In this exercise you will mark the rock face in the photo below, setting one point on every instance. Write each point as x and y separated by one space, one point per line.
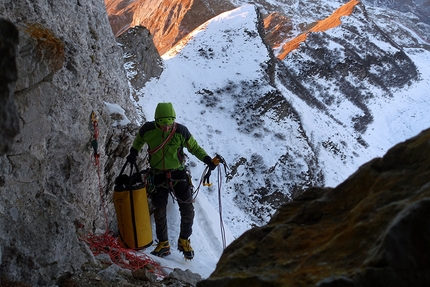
371 230
352 67
9 125
142 61
421 8
168 21
68 65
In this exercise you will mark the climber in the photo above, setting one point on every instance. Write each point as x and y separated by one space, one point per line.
165 141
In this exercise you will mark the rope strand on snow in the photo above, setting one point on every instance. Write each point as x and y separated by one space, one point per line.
206 182
224 244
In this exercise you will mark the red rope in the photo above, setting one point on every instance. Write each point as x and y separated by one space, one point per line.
126 258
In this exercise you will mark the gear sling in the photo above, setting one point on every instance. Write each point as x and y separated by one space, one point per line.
132 210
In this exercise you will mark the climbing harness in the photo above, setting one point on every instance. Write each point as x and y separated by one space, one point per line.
169 180
170 184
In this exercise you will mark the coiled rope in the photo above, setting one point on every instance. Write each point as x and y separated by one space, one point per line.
107 243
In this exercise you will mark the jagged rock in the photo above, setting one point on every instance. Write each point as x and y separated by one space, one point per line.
168 21
142 60
9 122
418 7
113 274
145 275
352 68
104 259
371 230
186 277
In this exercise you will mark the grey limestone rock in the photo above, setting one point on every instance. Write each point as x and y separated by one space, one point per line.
68 65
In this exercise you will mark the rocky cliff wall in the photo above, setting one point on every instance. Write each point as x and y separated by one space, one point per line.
69 65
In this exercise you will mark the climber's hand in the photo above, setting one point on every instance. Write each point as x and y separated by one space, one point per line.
210 162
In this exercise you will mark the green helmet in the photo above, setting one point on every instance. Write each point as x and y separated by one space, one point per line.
165 114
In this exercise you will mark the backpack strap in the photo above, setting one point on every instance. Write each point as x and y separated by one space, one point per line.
165 141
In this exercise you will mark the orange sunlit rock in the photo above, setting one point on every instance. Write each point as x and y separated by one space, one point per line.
323 25
277 27
168 21
291 45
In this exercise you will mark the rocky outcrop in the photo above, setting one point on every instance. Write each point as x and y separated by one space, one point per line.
142 61
9 121
168 21
359 66
371 230
68 65
420 8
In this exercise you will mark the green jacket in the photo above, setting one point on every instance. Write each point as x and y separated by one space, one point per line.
171 155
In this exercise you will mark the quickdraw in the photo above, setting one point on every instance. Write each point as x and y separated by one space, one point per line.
94 142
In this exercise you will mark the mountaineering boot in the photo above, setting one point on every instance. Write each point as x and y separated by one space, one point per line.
162 249
185 247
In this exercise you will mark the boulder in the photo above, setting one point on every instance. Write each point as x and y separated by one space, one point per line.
371 230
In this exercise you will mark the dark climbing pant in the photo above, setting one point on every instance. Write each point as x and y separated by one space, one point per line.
183 193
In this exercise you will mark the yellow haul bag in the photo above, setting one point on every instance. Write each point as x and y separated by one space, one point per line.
132 211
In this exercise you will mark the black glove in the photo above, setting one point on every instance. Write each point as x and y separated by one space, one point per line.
207 160
132 156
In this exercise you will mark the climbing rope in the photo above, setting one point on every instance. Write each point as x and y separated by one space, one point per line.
126 258
221 222
95 158
107 243
206 182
